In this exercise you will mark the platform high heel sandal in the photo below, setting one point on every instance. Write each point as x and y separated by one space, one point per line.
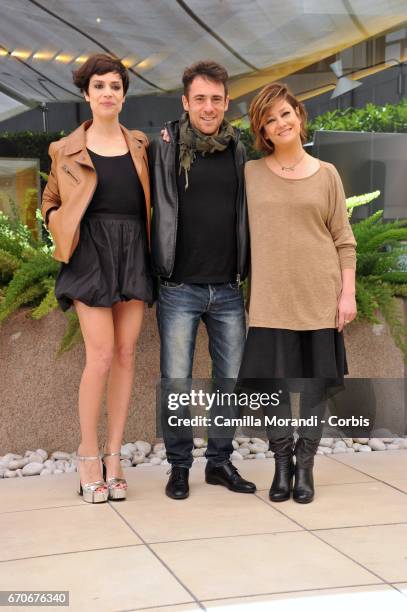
89 491
115 492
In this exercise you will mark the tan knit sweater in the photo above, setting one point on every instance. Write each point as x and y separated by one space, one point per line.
300 240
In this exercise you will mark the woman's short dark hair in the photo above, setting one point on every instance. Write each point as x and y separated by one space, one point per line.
207 69
260 109
99 63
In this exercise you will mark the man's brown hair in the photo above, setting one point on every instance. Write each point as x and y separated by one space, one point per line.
260 109
99 63
207 69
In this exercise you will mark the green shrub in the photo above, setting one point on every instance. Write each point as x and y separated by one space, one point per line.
27 275
371 118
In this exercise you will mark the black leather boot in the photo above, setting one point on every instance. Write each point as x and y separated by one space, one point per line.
305 450
284 469
227 475
177 485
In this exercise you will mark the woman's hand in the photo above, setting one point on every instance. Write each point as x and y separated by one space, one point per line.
346 309
165 135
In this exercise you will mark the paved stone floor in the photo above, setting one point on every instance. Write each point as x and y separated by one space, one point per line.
216 550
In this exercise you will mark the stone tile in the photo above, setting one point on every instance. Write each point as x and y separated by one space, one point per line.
347 505
253 565
148 482
106 580
398 484
202 516
180 608
373 597
382 549
32 492
61 530
384 465
261 471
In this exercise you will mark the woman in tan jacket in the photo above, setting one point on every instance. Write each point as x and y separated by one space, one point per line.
97 207
302 282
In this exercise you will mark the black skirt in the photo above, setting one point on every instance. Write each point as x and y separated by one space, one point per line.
284 353
109 265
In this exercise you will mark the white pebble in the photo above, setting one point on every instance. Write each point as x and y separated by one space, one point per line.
32 469
125 462
10 474
325 450
242 440
258 441
199 442
340 444
361 440
258 448
58 471
327 442
348 442
138 458
339 449
58 455
155 461
43 453
235 444
269 454
376 444
143 447
16 464
159 447
236 455
365 449
198 452
260 455
46 472
243 451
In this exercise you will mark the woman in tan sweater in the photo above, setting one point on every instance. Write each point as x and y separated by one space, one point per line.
302 280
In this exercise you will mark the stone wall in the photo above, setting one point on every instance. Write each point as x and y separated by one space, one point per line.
38 393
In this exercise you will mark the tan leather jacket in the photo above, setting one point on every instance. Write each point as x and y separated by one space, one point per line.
72 182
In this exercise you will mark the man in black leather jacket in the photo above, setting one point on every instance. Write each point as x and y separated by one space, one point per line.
200 251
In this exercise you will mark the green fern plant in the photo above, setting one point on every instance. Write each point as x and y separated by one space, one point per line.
27 276
381 274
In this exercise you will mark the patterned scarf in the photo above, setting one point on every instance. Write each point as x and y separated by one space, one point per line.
192 141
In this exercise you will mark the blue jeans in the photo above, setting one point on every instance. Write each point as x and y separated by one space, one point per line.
180 308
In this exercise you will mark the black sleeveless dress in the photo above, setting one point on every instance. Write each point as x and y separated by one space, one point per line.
111 261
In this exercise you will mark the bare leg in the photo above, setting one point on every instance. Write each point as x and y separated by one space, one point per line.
127 318
98 334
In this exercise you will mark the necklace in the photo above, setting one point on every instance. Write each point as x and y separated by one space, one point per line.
290 168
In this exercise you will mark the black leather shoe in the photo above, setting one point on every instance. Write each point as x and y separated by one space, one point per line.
284 469
305 450
177 485
227 475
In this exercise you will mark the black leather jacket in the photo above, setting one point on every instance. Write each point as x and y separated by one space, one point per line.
164 202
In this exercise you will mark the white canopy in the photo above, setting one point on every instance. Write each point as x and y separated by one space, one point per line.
42 41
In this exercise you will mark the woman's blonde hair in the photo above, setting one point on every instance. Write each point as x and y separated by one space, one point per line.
260 108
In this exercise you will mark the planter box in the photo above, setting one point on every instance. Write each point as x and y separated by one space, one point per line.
39 392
